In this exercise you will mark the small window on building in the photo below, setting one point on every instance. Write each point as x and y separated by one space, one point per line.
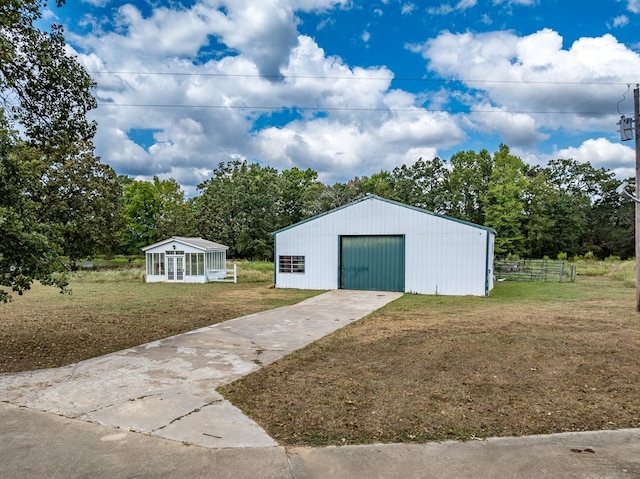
291 264
194 264
155 264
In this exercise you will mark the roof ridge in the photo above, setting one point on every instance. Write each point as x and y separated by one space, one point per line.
371 196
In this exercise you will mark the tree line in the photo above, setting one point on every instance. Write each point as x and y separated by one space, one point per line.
566 207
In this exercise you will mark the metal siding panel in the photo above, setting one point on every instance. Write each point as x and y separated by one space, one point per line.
317 250
446 262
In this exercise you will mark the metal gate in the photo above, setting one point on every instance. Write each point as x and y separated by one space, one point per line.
373 263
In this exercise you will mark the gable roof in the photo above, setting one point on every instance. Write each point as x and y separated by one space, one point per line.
396 203
198 243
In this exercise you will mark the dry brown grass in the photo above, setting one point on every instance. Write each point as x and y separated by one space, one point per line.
112 310
535 358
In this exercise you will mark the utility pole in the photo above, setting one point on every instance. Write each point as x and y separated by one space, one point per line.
636 121
630 128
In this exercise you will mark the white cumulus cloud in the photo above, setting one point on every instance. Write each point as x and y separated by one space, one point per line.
572 89
602 153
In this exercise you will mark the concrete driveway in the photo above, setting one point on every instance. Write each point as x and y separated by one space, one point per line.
167 388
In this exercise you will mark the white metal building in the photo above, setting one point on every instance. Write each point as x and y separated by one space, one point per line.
185 260
379 244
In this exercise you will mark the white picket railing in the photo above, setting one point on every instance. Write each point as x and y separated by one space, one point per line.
223 275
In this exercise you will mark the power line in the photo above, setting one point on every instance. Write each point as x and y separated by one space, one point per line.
338 109
354 78
350 78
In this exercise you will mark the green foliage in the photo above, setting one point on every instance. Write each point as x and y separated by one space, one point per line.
338 194
81 197
586 212
299 192
153 211
566 207
175 213
55 196
504 202
538 226
423 184
238 207
44 90
28 251
468 185
380 184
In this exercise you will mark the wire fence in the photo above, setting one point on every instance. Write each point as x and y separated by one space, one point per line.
534 270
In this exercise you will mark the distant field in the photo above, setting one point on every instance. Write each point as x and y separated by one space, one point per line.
534 358
114 309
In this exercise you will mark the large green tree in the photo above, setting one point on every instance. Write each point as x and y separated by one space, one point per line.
239 207
26 248
422 184
339 194
505 202
539 225
45 95
300 191
578 188
80 197
467 185
141 211
176 213
152 211
614 220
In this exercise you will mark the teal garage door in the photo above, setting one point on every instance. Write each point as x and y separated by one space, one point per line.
373 263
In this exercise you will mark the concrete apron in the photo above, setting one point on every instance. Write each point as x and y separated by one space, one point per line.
167 388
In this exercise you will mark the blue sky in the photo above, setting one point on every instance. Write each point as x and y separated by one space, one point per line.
350 87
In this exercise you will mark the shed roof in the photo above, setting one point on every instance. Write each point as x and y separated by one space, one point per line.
199 243
396 203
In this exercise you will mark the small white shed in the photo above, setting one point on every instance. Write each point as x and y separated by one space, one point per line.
382 245
185 260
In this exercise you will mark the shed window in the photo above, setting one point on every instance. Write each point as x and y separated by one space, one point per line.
194 264
291 264
216 260
155 264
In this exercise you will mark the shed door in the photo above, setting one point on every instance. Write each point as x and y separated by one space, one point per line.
374 263
175 268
